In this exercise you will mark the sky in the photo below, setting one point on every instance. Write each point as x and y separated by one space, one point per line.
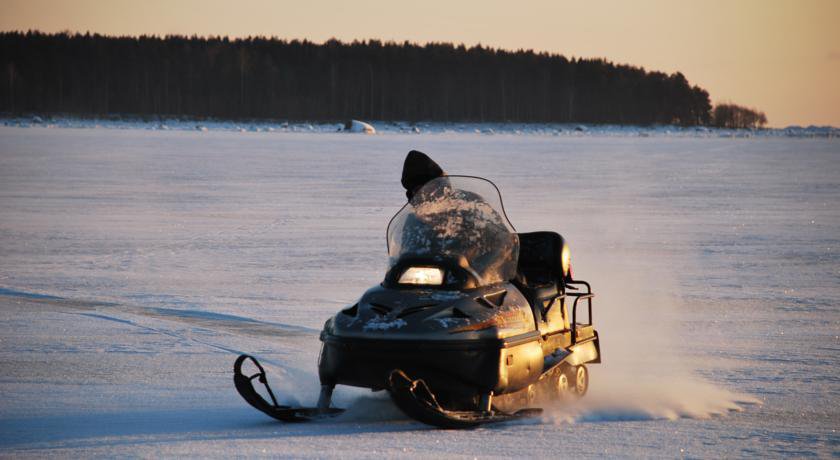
779 56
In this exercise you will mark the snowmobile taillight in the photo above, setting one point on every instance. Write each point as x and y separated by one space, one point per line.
422 275
566 260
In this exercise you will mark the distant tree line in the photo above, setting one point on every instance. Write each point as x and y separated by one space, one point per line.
737 117
300 80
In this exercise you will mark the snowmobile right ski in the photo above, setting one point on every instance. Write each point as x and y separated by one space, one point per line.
416 399
245 386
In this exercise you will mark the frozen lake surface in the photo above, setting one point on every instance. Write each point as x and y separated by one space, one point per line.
135 264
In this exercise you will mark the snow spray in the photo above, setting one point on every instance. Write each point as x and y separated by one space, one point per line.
647 370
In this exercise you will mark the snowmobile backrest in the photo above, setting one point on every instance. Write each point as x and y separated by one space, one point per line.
540 258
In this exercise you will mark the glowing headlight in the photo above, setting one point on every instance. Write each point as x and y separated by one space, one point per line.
565 257
422 275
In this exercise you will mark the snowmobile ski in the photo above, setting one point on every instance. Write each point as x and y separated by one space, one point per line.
245 386
416 399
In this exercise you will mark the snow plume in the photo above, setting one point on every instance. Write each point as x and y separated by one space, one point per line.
649 368
371 407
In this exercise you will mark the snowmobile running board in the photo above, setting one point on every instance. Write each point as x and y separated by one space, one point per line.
245 386
418 402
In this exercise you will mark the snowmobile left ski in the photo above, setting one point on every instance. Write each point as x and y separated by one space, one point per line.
245 386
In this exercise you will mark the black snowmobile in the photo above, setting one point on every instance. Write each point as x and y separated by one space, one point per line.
473 323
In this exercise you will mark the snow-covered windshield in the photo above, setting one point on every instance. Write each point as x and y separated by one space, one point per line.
459 219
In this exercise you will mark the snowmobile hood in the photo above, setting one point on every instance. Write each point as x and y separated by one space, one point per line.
490 312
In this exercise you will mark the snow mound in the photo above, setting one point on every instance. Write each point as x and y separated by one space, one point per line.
356 126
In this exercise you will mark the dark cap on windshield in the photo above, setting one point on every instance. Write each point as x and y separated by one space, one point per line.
417 170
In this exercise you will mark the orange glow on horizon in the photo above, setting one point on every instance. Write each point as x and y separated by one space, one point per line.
780 56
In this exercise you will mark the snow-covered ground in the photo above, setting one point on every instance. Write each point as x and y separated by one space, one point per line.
403 127
135 264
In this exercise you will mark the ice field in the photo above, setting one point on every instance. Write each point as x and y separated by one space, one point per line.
135 264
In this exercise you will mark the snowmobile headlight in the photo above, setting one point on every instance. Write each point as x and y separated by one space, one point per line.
565 259
422 275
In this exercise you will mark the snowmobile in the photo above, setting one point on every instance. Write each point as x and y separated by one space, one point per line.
473 323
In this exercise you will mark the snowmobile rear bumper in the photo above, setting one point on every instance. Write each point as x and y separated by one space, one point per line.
464 367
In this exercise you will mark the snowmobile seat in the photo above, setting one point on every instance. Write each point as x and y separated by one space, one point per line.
540 256
539 269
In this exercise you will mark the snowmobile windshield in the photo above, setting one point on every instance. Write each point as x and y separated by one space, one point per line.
459 220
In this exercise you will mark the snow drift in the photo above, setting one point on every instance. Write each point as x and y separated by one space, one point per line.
356 126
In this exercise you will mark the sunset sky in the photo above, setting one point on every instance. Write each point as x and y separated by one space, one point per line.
780 56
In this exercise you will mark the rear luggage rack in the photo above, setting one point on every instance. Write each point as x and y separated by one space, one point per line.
587 295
